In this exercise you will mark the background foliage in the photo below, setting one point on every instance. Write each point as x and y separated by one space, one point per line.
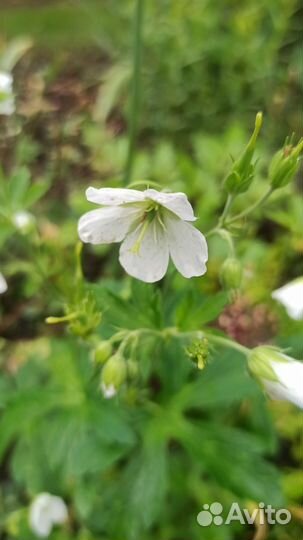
143 465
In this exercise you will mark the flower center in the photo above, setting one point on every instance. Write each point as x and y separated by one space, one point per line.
151 212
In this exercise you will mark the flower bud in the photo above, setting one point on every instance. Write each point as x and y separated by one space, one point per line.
113 375
102 352
132 369
231 274
242 172
284 165
280 375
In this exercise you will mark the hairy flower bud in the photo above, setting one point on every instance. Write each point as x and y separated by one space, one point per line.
102 352
280 375
113 375
231 274
285 164
242 173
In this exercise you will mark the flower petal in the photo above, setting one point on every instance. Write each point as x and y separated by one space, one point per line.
106 225
148 260
3 284
187 247
289 385
177 203
291 297
58 510
114 196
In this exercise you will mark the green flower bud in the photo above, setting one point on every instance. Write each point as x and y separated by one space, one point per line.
242 172
113 375
231 274
132 369
284 165
102 352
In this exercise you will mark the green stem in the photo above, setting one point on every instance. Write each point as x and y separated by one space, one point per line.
253 207
226 209
135 101
227 343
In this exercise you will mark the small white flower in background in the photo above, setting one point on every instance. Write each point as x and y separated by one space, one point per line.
291 297
46 511
152 227
3 284
23 220
7 101
280 375
108 391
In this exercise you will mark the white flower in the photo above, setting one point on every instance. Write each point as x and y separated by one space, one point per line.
108 391
291 297
152 227
7 101
280 375
23 220
46 511
3 284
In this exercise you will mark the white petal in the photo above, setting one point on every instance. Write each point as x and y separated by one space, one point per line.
108 391
187 247
3 284
58 510
106 225
113 196
6 82
177 203
291 297
149 262
39 517
289 387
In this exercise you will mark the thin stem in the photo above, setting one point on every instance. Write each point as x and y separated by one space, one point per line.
226 209
219 340
227 343
135 101
253 207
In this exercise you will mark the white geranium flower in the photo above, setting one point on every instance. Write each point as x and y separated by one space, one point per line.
280 375
7 101
3 284
152 227
291 297
108 390
46 511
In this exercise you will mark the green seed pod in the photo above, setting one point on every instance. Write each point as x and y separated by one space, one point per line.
231 274
102 352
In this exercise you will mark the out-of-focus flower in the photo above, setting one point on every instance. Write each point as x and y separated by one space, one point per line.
3 284
46 511
23 220
152 226
280 375
291 297
7 101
